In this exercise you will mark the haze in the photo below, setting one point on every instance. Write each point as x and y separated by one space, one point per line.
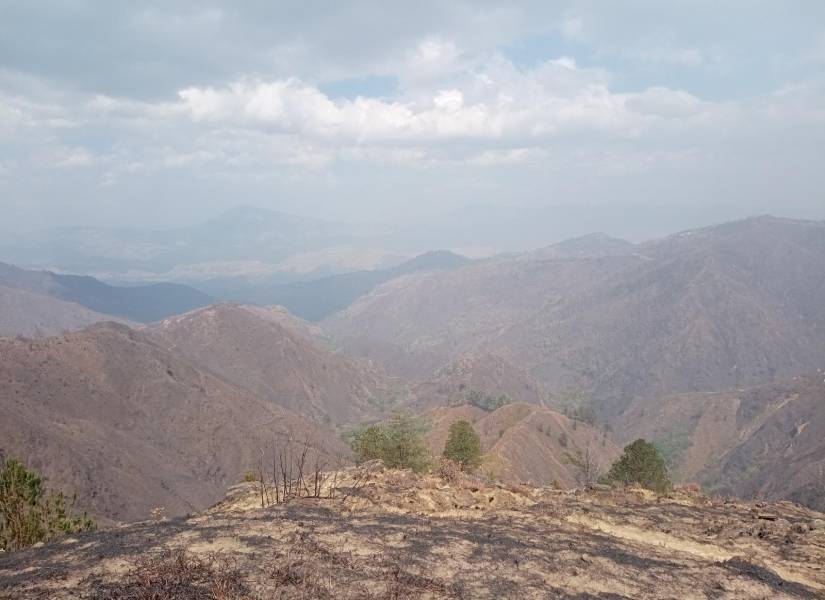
638 119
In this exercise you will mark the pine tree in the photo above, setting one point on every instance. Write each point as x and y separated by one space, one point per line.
463 445
29 513
369 443
398 442
640 463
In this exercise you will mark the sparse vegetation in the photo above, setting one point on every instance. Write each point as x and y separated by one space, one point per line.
640 463
463 445
298 469
449 470
588 468
486 401
178 575
399 443
585 414
30 513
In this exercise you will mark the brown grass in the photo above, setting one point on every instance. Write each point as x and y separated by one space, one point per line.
178 575
308 569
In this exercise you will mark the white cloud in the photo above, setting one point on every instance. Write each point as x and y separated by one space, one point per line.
69 158
510 156
463 109
498 103
572 27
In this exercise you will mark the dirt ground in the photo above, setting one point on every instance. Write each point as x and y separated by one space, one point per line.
398 535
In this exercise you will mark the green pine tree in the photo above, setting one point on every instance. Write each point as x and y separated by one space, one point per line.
369 443
463 445
29 513
640 463
399 443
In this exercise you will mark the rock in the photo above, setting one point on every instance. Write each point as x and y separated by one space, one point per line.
766 516
817 524
800 528
601 487
37 545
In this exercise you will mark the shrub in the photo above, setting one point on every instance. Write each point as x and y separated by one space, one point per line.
640 463
249 476
29 513
486 401
449 470
463 445
177 575
587 466
398 442
370 443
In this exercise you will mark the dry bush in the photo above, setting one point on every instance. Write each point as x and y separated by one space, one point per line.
449 470
690 488
177 575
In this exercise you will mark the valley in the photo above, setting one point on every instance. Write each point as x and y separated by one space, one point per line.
709 343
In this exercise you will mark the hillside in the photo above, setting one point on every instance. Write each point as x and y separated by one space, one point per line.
490 375
272 356
418 323
528 443
35 315
316 299
109 414
391 535
735 305
593 245
767 441
143 303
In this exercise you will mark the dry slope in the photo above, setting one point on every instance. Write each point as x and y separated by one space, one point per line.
767 441
528 443
401 536
129 426
735 305
265 352
478 372
35 315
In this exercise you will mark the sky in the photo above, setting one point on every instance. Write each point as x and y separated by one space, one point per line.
160 114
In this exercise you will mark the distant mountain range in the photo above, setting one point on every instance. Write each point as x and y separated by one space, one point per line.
143 303
706 310
319 298
709 342
244 240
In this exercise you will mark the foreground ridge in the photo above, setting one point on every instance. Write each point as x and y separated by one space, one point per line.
394 534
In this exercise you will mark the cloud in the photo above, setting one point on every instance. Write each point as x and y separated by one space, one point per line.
200 104
498 103
69 158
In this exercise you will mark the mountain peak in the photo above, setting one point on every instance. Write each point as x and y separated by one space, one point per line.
433 260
